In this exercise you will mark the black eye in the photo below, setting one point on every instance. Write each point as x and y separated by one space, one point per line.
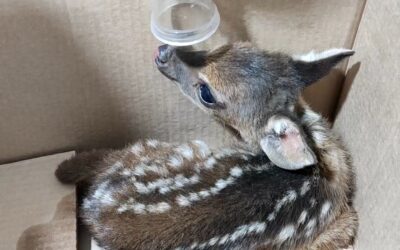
205 95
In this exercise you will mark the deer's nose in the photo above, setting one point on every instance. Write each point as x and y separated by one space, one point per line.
163 54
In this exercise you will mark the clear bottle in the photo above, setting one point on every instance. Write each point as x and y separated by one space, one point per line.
184 22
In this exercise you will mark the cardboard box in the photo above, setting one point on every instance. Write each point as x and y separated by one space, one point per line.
36 211
80 75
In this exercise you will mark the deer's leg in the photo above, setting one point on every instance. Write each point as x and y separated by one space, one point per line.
81 166
340 234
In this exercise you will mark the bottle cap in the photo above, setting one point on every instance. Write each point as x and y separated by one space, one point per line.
184 22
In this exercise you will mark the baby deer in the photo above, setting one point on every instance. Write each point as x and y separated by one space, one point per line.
288 184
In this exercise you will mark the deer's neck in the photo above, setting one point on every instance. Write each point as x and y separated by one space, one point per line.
333 160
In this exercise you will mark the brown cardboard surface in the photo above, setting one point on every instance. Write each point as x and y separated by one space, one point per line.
36 211
369 122
79 74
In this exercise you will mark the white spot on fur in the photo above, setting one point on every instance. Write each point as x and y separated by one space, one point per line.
311 116
240 232
290 196
305 188
202 148
225 152
224 239
194 197
139 170
194 179
302 217
152 143
259 169
313 56
204 193
122 208
236 172
210 162
257 227
137 148
127 172
87 203
116 167
310 227
165 185
214 190
325 209
160 183
194 245
286 233
175 161
183 201
319 137
180 181
103 194
244 157
161 170
185 151
213 241
271 216
219 185
164 190
160 207
140 208
202 245
244 230
313 202
107 199
141 188
144 159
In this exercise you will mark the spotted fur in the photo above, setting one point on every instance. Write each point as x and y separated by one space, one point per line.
156 195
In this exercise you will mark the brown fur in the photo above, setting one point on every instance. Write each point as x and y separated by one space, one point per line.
154 195
340 234
81 167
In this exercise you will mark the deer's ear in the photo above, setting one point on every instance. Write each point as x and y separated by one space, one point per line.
285 145
313 66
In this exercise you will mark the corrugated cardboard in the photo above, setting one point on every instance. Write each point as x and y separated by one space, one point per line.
369 122
36 211
80 74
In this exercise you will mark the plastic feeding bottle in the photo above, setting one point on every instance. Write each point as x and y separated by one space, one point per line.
184 22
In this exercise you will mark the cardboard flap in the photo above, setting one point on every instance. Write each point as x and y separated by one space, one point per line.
37 212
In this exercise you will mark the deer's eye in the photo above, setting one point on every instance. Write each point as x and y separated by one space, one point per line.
206 96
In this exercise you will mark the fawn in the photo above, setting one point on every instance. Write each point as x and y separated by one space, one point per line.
287 184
